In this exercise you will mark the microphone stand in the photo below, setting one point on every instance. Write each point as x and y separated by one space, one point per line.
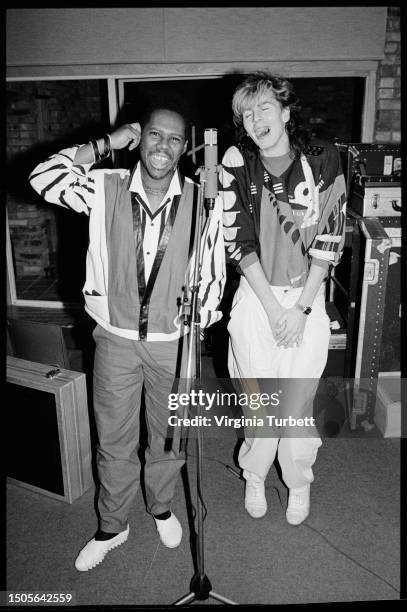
200 586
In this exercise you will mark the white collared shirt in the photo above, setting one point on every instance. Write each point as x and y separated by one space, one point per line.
152 224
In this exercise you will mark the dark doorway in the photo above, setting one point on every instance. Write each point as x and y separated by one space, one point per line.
331 107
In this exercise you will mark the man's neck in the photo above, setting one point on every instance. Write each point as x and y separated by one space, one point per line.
277 165
152 185
155 189
279 148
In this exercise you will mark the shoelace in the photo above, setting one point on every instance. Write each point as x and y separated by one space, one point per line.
255 489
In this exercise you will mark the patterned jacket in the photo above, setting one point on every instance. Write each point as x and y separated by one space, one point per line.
115 292
316 192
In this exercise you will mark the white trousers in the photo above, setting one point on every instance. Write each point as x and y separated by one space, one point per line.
254 354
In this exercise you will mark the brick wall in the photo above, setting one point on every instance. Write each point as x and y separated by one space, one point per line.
329 107
388 109
42 117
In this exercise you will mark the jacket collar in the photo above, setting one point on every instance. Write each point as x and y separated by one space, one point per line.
136 184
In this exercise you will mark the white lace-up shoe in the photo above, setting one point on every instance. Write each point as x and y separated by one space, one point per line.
170 531
298 505
255 498
95 551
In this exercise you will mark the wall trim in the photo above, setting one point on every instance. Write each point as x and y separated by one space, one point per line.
290 69
369 108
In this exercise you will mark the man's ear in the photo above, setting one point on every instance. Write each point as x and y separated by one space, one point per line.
136 127
185 147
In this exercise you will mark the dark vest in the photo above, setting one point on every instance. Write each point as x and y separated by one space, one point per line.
132 304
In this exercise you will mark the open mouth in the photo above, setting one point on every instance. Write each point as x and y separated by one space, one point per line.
262 132
159 161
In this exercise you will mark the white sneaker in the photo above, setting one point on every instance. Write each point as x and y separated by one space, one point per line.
298 505
255 498
95 551
170 531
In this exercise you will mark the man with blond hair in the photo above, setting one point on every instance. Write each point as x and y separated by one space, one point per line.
284 220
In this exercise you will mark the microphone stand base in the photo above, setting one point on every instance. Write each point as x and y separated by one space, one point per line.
201 590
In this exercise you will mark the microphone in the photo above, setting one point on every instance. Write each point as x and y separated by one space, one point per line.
211 166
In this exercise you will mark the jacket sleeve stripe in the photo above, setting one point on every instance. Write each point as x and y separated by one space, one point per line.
52 168
53 183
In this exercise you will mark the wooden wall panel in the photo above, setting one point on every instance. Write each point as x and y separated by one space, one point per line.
232 34
84 36
75 42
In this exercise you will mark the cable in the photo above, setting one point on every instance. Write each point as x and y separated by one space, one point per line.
352 559
341 551
233 471
228 467
151 564
200 495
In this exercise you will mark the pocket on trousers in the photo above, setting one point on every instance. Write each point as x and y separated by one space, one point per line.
98 305
236 304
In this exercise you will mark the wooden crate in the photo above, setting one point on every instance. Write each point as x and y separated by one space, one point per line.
49 449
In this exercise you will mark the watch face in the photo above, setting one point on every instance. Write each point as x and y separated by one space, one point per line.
307 310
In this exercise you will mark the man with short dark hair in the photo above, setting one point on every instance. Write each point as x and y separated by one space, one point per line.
284 224
140 257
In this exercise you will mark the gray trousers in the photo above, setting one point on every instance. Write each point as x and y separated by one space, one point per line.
122 367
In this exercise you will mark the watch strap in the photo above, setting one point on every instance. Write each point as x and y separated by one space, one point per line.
304 309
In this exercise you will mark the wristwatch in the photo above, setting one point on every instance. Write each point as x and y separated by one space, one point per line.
304 309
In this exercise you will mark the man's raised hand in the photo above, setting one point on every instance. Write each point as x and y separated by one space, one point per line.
127 135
